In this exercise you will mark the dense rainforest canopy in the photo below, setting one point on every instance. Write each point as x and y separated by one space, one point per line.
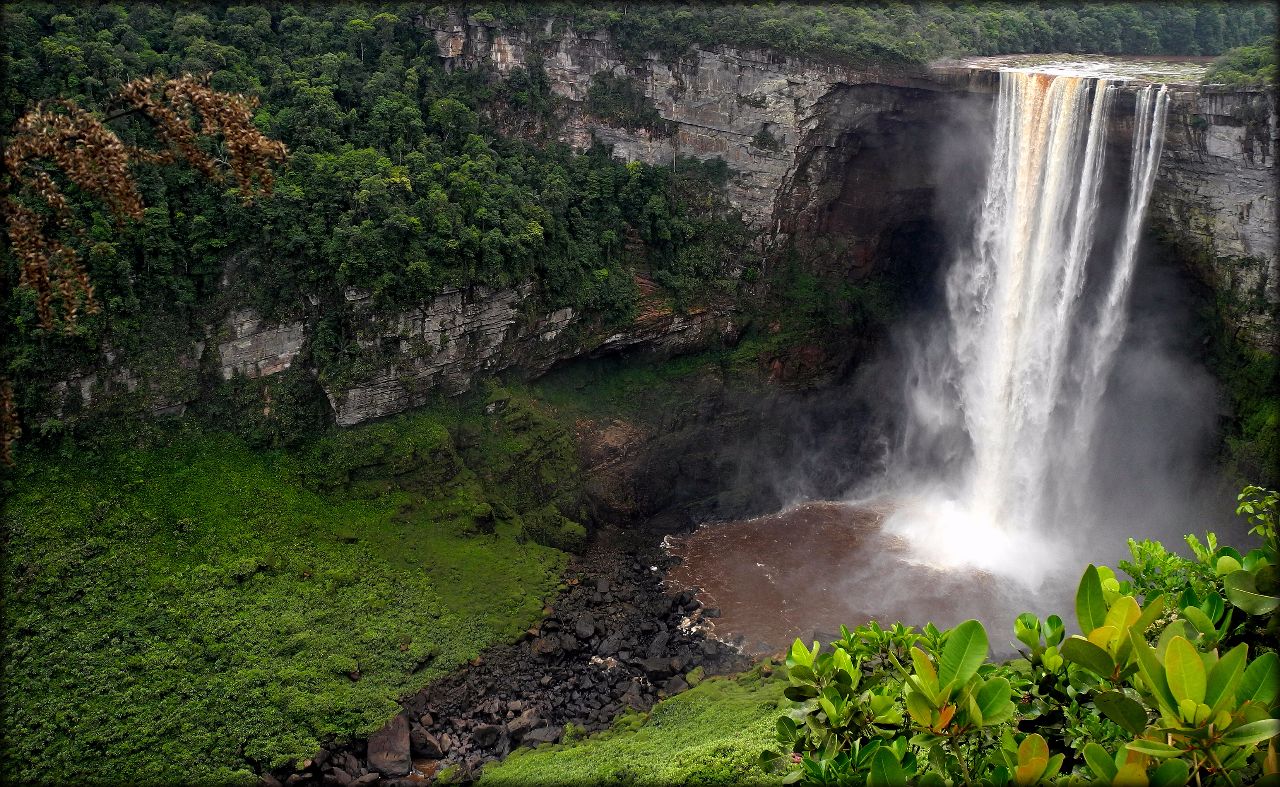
407 178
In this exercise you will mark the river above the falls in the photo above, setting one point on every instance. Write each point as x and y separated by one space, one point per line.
805 571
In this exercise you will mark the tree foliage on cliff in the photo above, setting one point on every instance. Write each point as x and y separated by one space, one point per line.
1245 65
405 178
898 33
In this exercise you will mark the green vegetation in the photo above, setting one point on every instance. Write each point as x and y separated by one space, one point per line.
1245 65
1173 678
711 734
622 102
405 179
188 609
906 33
1251 378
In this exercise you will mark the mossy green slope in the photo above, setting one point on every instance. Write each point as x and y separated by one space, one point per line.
180 612
712 734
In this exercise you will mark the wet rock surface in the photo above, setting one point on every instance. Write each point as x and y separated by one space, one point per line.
615 639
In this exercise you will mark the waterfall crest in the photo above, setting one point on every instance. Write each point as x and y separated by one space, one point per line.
1034 321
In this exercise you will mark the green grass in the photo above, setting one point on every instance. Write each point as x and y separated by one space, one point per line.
179 612
712 734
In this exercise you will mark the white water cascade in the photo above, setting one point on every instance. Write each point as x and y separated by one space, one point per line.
1037 310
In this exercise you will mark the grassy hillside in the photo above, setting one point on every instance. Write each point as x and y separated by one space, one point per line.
178 612
712 734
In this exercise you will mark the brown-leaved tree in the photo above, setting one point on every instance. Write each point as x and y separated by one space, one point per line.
57 145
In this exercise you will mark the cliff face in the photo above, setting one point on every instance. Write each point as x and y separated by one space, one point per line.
839 160
1215 201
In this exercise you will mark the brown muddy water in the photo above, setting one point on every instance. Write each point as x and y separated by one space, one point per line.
805 571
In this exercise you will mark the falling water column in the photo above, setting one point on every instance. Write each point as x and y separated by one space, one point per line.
1030 353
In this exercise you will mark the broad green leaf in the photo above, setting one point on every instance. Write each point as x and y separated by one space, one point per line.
1226 565
1220 689
802 674
924 670
799 693
964 652
799 654
1033 759
1123 613
769 760
1079 650
1102 636
1054 630
1153 673
920 710
1125 711
931 779
840 659
1212 605
994 702
1178 628
1091 607
1171 773
886 771
1184 670
1198 619
1187 710
975 713
1153 748
1055 765
1242 593
1027 629
1254 732
1261 681
1266 579
786 728
1131 774
1099 762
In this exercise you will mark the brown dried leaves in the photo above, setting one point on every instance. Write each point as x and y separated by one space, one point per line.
59 137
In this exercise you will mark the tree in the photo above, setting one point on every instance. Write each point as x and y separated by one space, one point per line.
58 144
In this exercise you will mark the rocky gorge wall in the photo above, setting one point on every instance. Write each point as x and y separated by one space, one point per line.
836 159
1215 201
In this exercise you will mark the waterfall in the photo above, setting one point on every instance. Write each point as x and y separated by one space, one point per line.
1036 312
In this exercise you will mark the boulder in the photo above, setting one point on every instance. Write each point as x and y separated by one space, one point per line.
674 686
545 646
586 626
656 667
634 695
424 744
486 736
543 735
658 644
523 723
389 748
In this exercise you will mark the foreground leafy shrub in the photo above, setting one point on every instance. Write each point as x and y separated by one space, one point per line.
1160 687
